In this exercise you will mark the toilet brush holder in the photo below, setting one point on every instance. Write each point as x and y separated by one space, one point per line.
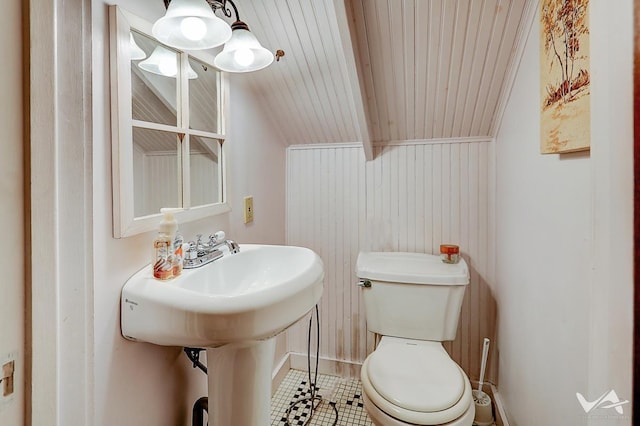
482 401
484 412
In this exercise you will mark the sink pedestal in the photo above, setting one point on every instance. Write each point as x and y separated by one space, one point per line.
239 376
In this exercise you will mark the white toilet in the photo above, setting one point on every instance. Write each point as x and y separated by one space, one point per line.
413 301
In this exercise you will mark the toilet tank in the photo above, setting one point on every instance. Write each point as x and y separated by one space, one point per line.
412 295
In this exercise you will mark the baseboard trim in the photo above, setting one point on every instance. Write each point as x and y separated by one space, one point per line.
332 367
279 372
501 414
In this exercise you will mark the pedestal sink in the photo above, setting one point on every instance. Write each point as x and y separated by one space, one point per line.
233 307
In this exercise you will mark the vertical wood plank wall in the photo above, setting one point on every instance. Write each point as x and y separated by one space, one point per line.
412 197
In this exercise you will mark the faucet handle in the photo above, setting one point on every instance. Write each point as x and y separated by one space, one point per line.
192 251
216 237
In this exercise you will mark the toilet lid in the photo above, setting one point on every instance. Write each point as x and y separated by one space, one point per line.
417 376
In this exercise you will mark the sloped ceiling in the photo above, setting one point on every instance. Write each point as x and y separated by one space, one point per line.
386 70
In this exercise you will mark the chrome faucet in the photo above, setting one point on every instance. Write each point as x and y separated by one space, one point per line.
231 245
199 253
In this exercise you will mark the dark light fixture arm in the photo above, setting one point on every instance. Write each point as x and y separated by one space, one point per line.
223 5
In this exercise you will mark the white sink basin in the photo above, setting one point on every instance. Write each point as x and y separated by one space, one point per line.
251 295
234 307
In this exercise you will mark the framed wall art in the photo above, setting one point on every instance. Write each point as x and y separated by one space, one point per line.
564 76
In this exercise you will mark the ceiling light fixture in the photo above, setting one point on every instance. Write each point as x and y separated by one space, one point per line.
193 25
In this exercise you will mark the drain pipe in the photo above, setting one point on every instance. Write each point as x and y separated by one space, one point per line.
202 405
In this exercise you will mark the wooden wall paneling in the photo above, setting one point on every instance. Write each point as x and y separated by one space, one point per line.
464 333
412 197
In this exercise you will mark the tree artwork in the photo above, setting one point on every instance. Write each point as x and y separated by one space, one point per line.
565 80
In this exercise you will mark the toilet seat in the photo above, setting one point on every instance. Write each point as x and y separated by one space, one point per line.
416 382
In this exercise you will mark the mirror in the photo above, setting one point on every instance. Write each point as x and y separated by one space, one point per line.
167 129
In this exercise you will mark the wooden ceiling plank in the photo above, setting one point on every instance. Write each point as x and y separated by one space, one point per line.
435 47
272 84
421 66
492 61
334 52
455 70
527 17
447 30
307 93
316 70
361 47
478 66
488 60
466 68
354 77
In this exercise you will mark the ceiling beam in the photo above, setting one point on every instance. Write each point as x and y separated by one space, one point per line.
354 77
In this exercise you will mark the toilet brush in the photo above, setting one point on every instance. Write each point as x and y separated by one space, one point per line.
482 401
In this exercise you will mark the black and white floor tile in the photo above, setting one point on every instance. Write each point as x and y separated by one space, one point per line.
341 402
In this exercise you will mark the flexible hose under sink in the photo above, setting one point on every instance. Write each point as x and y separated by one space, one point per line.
314 398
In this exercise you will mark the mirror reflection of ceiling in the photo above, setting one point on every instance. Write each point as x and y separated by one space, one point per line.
147 106
153 95
203 97
157 142
204 146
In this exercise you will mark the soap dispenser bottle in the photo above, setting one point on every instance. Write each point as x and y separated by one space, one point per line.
178 254
163 252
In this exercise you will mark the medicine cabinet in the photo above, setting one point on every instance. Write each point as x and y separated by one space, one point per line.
168 129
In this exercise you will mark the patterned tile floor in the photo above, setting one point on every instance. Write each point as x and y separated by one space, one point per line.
343 396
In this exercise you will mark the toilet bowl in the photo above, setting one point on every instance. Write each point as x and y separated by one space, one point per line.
412 382
413 301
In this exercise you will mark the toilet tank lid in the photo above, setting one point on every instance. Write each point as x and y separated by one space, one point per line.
412 268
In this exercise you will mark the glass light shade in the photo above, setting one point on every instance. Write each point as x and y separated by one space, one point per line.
165 62
243 53
191 25
136 53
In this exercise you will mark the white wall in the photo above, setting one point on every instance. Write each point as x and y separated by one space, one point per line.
137 383
413 196
564 242
12 289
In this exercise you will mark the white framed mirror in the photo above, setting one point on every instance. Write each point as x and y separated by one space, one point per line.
168 129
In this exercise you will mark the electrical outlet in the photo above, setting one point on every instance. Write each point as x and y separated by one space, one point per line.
7 377
8 380
248 209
